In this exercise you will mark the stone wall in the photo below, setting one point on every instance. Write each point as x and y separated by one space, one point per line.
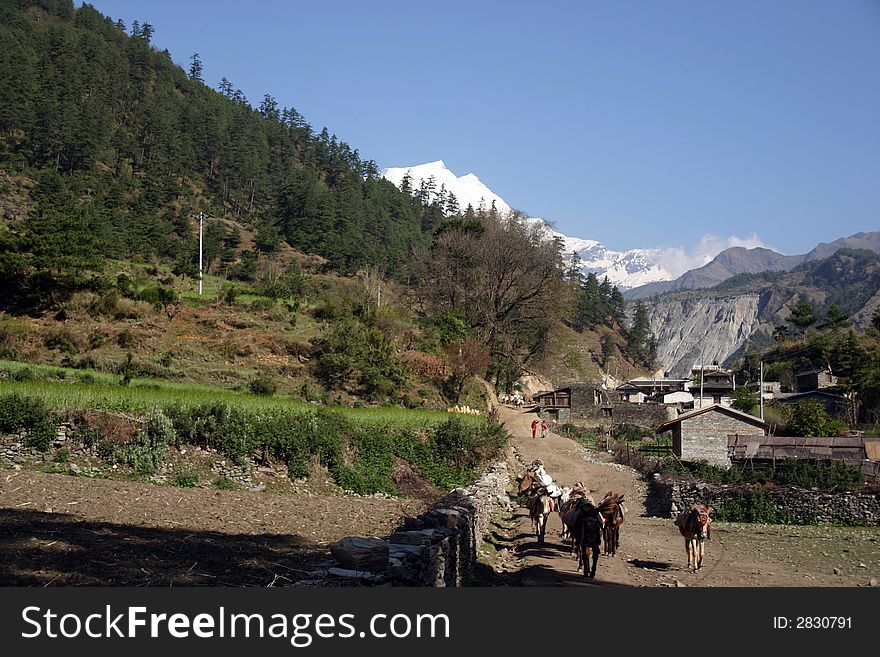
667 498
436 549
14 452
605 416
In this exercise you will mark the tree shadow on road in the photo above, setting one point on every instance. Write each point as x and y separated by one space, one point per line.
57 549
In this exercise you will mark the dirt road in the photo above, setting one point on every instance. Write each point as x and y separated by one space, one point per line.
652 552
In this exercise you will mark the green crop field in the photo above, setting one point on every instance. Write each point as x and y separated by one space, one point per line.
67 388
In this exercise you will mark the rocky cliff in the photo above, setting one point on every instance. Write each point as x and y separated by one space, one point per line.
707 328
721 323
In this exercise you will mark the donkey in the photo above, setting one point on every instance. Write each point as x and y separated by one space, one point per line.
696 527
540 506
588 536
613 513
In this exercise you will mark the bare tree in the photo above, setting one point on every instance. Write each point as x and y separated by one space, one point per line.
502 274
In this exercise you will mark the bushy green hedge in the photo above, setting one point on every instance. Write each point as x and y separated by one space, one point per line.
360 458
834 474
22 412
146 451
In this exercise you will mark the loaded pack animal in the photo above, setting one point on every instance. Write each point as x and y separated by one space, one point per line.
567 502
534 485
587 535
613 514
696 527
540 506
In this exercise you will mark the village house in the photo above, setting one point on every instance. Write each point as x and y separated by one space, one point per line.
711 385
814 379
701 435
640 390
835 405
592 405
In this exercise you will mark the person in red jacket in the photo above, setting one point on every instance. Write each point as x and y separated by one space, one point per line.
535 428
543 428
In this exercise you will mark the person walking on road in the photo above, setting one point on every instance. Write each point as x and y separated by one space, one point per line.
543 428
535 428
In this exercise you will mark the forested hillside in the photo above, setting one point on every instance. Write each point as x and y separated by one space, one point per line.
108 154
124 146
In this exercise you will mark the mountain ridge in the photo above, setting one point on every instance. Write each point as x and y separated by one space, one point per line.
737 260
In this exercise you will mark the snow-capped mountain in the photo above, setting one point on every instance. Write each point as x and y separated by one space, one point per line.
625 269
468 189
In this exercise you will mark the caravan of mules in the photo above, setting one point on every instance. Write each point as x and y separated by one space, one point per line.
588 525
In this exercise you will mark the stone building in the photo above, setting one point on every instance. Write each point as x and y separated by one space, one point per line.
701 435
712 385
815 379
834 404
591 405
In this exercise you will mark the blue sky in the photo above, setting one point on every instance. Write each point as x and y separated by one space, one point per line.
639 124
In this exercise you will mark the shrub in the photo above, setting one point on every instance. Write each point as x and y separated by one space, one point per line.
86 435
158 296
228 294
126 339
96 339
23 374
63 340
581 436
225 483
146 451
262 385
630 433
753 505
19 412
62 455
105 304
129 309
186 479
262 305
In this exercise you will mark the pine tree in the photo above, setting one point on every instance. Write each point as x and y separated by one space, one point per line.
406 184
618 306
195 68
451 204
269 108
574 274
835 318
803 315
641 343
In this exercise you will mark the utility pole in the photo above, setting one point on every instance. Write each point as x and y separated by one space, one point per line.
761 389
201 223
702 378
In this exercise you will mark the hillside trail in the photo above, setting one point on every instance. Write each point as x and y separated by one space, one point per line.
651 552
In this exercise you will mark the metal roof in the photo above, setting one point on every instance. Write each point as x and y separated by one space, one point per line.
732 412
837 448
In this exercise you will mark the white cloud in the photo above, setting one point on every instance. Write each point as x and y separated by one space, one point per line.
677 260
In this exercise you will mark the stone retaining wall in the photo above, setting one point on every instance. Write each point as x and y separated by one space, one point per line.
14 452
438 548
665 498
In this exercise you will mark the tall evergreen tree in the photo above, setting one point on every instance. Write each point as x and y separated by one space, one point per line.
195 68
803 316
641 343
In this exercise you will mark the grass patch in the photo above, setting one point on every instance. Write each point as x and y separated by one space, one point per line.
186 479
